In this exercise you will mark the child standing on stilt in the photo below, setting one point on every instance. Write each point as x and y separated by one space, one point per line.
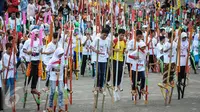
102 59
55 68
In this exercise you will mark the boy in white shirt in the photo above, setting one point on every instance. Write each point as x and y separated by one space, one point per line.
138 67
48 54
9 70
152 41
86 43
102 56
167 50
160 53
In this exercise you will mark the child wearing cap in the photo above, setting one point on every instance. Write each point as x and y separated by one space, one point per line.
183 59
138 67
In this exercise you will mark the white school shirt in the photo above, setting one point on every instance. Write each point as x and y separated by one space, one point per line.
31 10
131 46
159 47
141 61
11 66
152 46
35 49
184 52
103 47
86 47
50 47
53 76
26 44
11 23
195 46
167 45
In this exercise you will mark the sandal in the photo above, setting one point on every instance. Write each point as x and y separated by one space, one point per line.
49 109
60 110
34 91
134 92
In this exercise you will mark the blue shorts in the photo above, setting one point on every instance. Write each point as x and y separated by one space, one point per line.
196 58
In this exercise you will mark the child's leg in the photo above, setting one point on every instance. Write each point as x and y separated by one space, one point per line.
129 67
60 94
6 86
83 66
142 77
102 74
47 79
173 67
108 79
120 70
11 81
133 79
34 73
114 72
53 88
165 74
93 71
99 75
192 63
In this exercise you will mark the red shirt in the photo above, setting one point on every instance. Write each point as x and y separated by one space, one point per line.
14 6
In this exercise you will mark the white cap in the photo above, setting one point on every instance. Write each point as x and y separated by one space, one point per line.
142 44
36 31
144 26
183 34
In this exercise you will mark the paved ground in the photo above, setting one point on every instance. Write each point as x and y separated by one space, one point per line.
83 97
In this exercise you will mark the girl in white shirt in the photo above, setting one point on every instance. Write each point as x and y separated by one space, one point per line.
183 57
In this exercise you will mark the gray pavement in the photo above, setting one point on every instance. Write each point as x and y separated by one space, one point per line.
83 97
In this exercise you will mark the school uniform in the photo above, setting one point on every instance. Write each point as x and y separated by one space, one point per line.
167 57
118 57
55 67
34 59
152 51
86 53
9 74
183 60
102 59
160 54
138 66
